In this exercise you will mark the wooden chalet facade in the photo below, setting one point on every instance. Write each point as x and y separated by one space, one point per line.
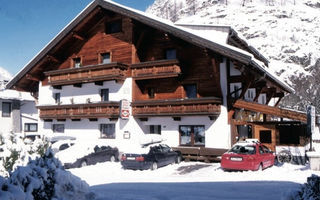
190 89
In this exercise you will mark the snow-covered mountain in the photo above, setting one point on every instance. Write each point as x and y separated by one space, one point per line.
5 76
287 32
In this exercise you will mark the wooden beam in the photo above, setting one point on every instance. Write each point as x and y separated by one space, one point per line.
52 58
276 105
245 86
30 77
216 73
140 39
77 36
270 94
258 92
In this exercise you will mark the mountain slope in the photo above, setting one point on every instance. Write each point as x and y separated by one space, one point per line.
5 76
286 32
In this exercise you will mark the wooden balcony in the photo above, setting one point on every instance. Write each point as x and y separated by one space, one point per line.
177 107
87 74
156 69
76 111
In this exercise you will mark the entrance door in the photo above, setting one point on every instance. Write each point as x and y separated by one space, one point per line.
192 135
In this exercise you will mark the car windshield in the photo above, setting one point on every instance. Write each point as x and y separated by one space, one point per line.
243 149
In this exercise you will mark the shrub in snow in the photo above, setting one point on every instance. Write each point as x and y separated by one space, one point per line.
11 160
311 189
9 191
43 178
17 153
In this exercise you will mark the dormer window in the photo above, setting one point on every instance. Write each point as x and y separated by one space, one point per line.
114 27
191 90
76 62
105 58
171 54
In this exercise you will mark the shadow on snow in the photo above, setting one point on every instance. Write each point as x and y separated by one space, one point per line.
261 190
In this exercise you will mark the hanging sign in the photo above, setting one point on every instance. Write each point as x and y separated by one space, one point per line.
311 119
124 109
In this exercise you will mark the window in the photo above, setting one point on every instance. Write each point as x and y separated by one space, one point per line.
192 135
236 91
191 90
114 27
155 129
30 127
171 54
104 93
56 97
105 58
250 94
58 128
107 131
265 136
151 93
76 62
6 109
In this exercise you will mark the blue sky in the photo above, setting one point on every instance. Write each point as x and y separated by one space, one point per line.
26 26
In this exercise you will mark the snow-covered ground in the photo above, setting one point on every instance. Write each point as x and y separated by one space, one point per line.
192 180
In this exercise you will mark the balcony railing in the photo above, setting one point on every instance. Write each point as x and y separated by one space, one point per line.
75 111
92 73
156 69
177 107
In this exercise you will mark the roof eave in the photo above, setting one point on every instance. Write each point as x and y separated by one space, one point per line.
283 85
51 44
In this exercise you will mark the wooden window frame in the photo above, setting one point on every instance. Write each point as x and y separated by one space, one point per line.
101 57
73 62
4 114
55 95
166 53
101 94
186 93
28 125
106 135
53 128
192 136
151 92
158 132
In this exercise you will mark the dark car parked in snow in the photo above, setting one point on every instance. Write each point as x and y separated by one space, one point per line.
100 154
155 156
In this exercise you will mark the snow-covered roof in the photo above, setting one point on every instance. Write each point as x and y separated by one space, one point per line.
215 42
15 95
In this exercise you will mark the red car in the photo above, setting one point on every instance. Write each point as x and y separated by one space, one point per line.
247 156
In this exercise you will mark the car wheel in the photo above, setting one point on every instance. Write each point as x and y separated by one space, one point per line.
178 159
112 159
284 156
83 163
154 166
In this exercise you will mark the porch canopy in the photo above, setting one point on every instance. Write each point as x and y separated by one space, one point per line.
270 110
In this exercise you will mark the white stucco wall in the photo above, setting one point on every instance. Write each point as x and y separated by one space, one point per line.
216 134
88 90
29 113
